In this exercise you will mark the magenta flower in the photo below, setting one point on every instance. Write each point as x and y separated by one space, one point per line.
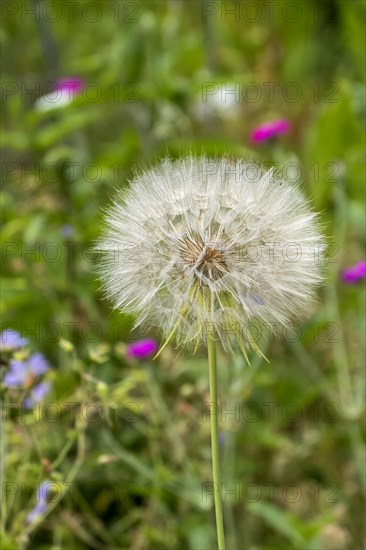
65 91
354 273
71 85
142 349
270 130
11 340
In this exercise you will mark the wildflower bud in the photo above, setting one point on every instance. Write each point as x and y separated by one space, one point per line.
102 390
66 345
46 465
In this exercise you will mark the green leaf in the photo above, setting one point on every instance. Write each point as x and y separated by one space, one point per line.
280 521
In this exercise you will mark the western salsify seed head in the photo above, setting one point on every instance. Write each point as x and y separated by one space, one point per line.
201 247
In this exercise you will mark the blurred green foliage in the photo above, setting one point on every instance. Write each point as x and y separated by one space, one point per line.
156 79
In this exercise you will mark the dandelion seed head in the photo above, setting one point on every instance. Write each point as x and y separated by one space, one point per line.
199 245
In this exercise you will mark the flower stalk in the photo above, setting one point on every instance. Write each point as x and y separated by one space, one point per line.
212 365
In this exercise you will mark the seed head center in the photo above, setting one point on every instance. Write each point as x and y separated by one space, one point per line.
207 260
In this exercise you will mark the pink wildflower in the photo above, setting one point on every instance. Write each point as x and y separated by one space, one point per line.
354 273
269 130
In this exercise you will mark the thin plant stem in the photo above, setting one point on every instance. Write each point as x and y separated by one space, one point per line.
340 355
48 43
69 479
211 346
161 407
3 446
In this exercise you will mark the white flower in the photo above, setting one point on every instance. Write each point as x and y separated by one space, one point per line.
204 246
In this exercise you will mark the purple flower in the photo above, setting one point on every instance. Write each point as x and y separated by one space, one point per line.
22 373
67 230
11 340
42 497
354 273
37 394
222 438
269 130
142 349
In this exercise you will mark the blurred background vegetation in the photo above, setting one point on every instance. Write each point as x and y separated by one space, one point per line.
130 472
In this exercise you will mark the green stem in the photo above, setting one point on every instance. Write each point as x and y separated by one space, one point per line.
3 446
211 346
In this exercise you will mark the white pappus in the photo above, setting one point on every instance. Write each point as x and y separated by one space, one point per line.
205 247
